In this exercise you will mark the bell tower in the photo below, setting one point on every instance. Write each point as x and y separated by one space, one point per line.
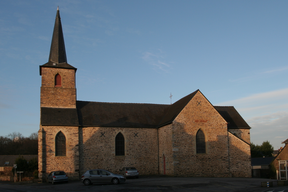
58 89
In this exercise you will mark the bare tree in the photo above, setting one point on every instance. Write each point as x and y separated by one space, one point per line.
17 144
15 136
34 136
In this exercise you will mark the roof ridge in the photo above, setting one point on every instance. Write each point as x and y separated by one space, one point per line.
121 103
174 109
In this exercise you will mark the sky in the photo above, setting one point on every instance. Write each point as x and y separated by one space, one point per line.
234 52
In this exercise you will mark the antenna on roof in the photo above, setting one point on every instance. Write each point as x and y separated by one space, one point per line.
171 98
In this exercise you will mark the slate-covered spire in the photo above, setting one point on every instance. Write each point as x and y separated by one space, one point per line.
57 50
57 57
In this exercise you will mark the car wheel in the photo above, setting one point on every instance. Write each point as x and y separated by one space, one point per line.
87 182
115 181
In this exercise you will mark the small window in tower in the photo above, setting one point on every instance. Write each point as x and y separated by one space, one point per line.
57 80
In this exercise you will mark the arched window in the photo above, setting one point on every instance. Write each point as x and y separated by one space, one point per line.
200 142
119 144
60 144
57 80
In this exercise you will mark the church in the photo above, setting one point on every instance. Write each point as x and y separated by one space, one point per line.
190 137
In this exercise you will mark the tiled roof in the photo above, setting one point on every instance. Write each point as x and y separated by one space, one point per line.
59 117
114 114
232 117
130 115
119 114
174 109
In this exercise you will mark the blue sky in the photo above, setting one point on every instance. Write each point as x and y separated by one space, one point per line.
131 51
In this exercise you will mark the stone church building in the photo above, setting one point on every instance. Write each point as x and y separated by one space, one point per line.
190 137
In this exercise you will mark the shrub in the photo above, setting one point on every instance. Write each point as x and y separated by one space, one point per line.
22 164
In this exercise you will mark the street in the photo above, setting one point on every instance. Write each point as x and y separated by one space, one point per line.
151 184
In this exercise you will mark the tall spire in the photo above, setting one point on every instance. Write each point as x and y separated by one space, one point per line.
57 58
57 50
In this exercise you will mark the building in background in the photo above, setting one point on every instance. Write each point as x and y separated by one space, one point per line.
280 162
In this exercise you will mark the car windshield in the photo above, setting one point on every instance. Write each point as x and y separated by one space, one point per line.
59 173
130 168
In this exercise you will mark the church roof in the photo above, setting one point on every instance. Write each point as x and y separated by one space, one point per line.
57 57
130 115
59 117
120 114
232 117
174 109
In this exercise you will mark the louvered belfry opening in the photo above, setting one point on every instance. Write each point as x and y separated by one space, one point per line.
119 145
200 142
60 142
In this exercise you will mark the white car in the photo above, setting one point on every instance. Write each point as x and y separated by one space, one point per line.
101 176
130 172
57 176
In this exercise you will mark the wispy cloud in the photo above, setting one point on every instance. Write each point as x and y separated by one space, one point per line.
272 128
261 100
133 31
45 38
111 31
259 74
89 79
276 70
157 60
267 115
11 29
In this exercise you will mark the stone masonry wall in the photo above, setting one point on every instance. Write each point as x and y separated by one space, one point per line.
200 114
67 77
240 157
243 134
97 149
60 97
165 151
41 154
48 161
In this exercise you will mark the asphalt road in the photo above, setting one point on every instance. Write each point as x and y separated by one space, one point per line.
152 184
